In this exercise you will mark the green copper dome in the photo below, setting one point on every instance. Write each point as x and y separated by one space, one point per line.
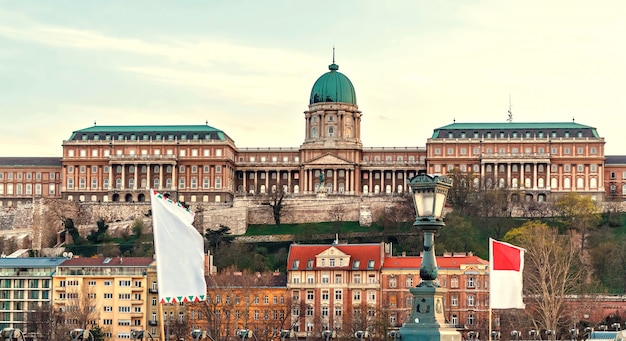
333 86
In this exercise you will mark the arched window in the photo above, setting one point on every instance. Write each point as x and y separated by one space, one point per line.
580 183
365 189
567 183
400 189
554 183
331 131
515 183
541 183
388 189
131 183
593 182
296 189
118 183
155 183
376 189
262 188
527 183
314 132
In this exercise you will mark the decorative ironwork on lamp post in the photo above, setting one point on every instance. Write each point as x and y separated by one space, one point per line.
427 321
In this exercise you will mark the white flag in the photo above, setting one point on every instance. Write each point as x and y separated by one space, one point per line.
506 265
179 252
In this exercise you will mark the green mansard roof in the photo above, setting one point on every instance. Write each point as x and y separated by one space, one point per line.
520 127
213 133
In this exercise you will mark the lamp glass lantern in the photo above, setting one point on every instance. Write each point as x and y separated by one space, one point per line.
429 197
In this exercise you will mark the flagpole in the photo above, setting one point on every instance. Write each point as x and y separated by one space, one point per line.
490 328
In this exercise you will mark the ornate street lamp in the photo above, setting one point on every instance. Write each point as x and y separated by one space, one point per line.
10 334
360 334
394 335
328 334
80 334
427 321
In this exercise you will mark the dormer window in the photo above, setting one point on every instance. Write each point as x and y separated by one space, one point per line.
309 264
356 264
295 264
370 264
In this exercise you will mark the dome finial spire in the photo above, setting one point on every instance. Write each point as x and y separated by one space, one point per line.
333 53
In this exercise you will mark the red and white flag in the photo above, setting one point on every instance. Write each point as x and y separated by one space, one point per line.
179 250
506 265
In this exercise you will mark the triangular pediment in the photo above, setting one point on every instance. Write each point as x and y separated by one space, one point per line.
331 252
329 159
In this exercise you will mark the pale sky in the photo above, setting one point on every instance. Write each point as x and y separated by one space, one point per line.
247 67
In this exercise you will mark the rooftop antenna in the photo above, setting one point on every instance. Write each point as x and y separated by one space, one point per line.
510 118
94 122
573 119
206 122
454 120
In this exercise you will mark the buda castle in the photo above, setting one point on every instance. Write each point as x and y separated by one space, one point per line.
202 164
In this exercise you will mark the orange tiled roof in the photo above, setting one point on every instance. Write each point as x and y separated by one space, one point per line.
361 252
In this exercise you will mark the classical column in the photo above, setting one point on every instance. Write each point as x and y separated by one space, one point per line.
148 171
289 181
534 175
111 185
160 176
586 177
482 170
123 176
521 172
335 188
136 176
548 183
382 181
370 190
245 182
267 182
508 175
495 174
174 178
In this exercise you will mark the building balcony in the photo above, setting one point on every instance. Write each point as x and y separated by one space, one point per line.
153 323
153 290
138 158
538 157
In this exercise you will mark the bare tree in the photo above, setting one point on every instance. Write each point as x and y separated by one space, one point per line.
81 308
462 195
275 201
552 271
42 320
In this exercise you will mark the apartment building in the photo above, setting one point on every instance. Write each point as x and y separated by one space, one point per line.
334 287
25 289
236 300
463 275
110 292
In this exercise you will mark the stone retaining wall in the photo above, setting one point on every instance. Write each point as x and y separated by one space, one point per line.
42 220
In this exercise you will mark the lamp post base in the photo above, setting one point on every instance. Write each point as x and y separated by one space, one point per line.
427 321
